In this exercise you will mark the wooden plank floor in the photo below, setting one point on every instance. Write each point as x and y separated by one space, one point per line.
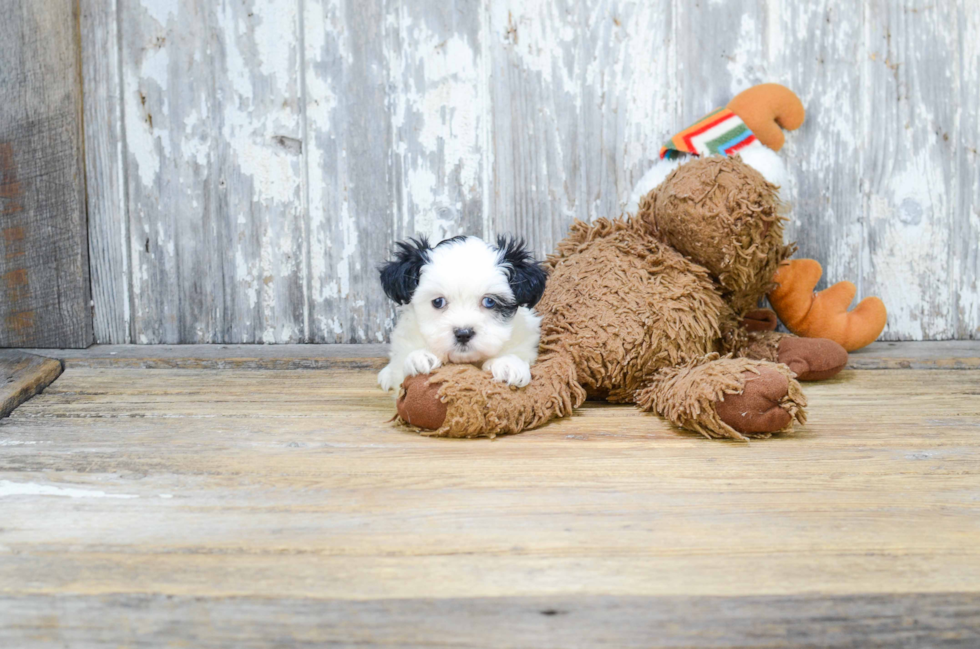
162 507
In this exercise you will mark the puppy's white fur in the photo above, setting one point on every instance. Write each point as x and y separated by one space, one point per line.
463 273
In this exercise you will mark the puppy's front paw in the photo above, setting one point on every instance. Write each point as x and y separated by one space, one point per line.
421 362
386 378
510 370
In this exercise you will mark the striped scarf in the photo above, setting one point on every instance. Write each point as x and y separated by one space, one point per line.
722 132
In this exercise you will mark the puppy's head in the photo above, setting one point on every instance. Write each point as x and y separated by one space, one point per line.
464 292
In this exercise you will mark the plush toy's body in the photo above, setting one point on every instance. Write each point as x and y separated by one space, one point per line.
648 310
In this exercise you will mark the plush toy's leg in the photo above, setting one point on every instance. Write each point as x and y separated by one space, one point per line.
733 398
811 359
760 320
464 401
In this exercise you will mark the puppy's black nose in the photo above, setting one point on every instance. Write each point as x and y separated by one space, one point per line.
463 336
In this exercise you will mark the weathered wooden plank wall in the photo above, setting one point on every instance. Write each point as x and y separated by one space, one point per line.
253 160
44 268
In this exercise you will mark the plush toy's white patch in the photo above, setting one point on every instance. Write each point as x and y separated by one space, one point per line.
653 177
767 162
758 156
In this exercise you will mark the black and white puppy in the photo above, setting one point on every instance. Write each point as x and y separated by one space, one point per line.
463 301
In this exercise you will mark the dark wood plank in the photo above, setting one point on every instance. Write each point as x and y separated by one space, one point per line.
22 376
217 357
858 621
929 355
44 277
950 354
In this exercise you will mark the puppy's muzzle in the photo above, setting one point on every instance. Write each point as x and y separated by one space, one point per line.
464 336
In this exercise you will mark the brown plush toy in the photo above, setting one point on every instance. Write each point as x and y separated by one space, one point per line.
750 125
648 310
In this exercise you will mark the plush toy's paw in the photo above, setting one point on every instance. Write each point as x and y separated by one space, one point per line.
461 400
510 370
759 408
419 404
421 362
812 359
386 378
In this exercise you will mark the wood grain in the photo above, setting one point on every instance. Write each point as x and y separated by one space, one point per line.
582 95
947 620
231 357
105 170
292 143
22 376
351 189
965 253
910 166
254 507
213 121
932 355
44 267
950 355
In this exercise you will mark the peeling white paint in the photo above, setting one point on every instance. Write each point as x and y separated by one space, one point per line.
326 57
161 10
439 122
9 489
746 65
144 144
538 32
909 220
518 116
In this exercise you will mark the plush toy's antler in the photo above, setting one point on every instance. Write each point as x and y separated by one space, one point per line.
766 107
825 314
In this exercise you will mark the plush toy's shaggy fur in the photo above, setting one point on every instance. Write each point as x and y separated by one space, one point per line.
648 310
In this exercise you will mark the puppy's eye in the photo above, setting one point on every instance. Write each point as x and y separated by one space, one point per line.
439 302
489 303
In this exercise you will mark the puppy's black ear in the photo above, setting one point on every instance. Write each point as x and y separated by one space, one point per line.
526 276
400 276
